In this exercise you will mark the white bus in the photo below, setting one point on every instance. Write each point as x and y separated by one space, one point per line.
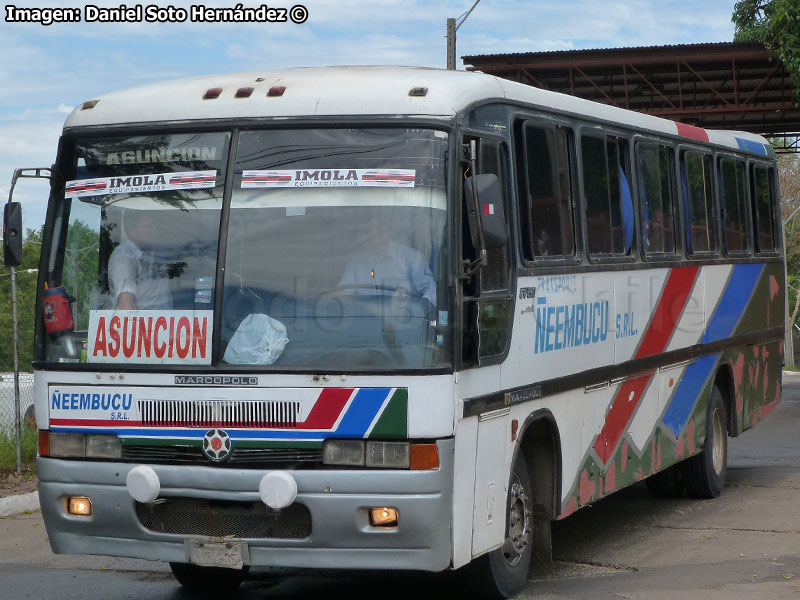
390 318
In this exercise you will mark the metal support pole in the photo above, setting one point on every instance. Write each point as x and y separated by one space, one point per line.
452 27
451 44
15 337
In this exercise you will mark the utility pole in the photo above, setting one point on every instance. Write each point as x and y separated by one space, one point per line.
32 174
452 27
15 337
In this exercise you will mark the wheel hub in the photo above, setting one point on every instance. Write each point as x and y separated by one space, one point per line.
718 450
519 524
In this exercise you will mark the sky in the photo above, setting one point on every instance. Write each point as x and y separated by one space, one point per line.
45 71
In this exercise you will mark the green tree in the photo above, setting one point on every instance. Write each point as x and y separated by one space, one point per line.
80 270
774 23
789 175
26 305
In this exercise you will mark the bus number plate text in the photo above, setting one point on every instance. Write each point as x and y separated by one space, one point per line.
232 555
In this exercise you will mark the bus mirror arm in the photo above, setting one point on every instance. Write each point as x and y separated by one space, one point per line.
487 221
475 225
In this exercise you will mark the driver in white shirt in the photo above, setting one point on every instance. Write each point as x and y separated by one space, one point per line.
136 280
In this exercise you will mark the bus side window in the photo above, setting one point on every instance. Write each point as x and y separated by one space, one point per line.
657 193
733 207
609 205
698 193
762 208
548 228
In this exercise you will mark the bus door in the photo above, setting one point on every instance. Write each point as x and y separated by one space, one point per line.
487 316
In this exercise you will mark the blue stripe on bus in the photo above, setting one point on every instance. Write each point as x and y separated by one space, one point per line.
359 416
737 293
362 411
235 434
685 397
735 297
751 146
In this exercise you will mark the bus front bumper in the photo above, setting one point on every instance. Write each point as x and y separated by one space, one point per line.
338 501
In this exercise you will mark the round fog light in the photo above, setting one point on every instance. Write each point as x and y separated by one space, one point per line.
143 484
277 489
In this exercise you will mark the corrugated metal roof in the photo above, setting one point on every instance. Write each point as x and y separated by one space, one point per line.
722 46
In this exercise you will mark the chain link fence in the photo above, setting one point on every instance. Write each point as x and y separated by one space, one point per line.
7 410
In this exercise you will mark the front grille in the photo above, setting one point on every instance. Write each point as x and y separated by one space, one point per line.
216 518
273 458
219 413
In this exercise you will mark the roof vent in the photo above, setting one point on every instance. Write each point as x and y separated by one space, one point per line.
418 91
89 104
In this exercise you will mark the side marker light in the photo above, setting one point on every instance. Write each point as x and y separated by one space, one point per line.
424 457
44 442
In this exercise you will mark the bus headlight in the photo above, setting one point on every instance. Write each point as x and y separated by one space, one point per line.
103 446
78 445
417 456
391 455
343 452
67 445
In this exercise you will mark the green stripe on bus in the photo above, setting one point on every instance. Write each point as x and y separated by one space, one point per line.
393 423
236 443
132 441
277 444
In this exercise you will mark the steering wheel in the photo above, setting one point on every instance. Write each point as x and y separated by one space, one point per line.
340 289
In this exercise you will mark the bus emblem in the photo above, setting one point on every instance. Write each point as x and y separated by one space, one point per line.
217 445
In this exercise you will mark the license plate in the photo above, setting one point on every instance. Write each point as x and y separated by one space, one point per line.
232 555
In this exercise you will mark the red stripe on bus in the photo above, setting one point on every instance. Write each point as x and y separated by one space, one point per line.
676 293
327 409
669 309
93 423
692 132
628 396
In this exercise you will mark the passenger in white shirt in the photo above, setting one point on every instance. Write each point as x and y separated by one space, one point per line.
385 267
136 281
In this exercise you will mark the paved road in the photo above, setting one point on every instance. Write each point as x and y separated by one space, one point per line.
743 545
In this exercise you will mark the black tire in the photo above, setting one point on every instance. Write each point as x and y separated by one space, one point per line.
705 472
669 483
503 573
208 579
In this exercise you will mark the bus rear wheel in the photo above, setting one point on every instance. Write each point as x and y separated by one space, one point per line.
217 579
705 472
503 572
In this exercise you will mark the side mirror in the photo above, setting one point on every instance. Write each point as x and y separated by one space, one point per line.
492 218
12 234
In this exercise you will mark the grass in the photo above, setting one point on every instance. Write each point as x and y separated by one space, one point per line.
8 450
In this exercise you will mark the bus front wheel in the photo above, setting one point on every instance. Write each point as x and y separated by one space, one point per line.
502 573
195 577
705 472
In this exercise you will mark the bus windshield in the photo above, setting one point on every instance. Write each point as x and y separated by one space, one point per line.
333 251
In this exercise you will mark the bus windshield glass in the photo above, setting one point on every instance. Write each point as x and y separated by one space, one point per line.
333 256
133 243
336 244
